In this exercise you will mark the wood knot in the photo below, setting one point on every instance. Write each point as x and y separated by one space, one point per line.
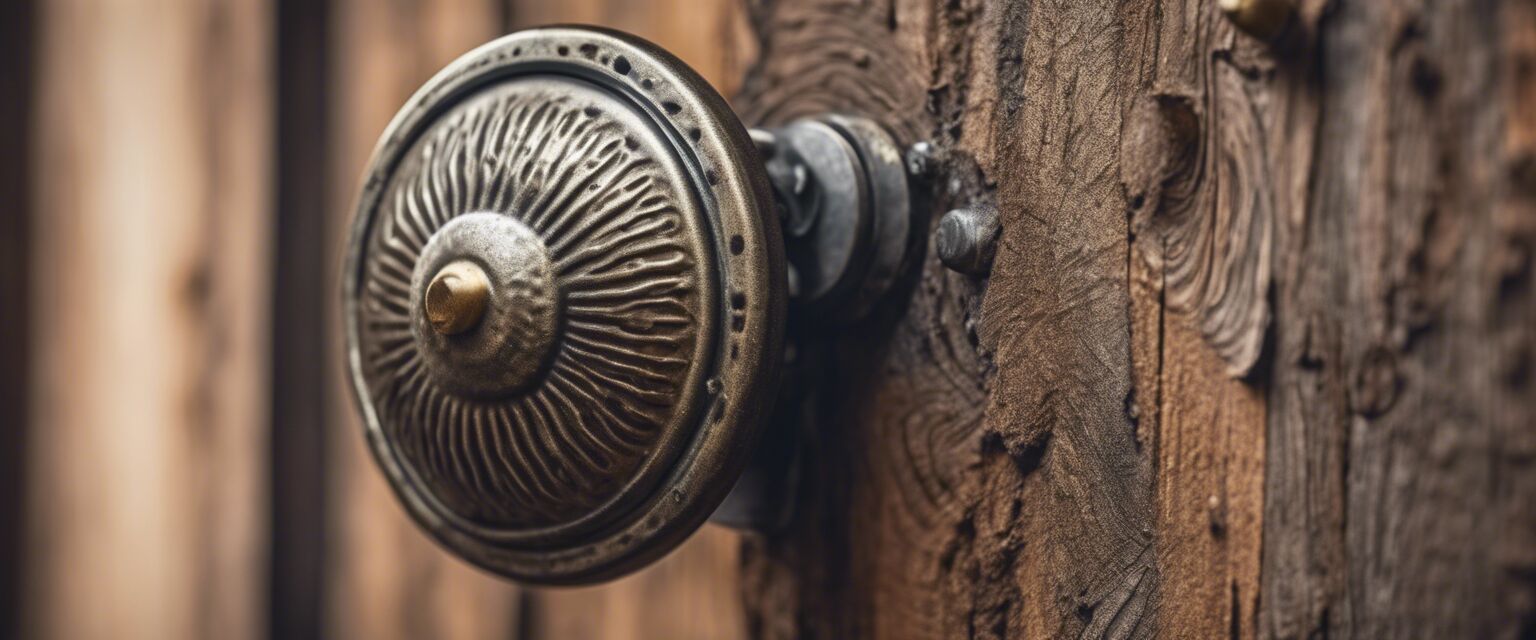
1161 149
1376 382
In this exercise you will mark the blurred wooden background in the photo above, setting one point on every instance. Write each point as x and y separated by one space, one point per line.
179 457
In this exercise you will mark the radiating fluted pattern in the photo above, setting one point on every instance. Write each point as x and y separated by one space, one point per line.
609 218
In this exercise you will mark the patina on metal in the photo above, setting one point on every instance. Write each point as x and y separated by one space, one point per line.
566 290
846 209
593 405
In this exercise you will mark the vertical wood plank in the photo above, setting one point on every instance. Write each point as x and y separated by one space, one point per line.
694 593
1056 316
1210 448
1195 168
385 578
702 33
149 302
1400 432
235 355
1069 508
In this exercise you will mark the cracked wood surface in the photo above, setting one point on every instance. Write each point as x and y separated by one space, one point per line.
949 498
1400 467
1255 355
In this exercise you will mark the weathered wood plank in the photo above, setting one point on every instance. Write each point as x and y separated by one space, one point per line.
1056 312
1194 165
1061 512
1370 164
692 594
152 216
924 518
1441 325
1209 492
1303 589
1401 424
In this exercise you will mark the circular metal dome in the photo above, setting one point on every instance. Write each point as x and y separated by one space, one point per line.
563 299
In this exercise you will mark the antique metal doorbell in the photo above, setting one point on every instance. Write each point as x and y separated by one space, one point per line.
567 286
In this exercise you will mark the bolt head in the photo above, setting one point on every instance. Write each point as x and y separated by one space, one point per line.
966 239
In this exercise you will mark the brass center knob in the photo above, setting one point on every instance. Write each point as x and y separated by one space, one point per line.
485 311
456 299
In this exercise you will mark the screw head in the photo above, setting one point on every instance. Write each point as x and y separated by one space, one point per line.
967 239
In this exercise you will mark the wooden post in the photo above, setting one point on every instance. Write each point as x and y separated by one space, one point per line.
148 310
1254 356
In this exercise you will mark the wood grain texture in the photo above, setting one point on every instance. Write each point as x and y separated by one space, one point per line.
1210 475
1303 565
949 499
1360 188
1194 167
151 156
1401 416
935 511
1057 312
691 594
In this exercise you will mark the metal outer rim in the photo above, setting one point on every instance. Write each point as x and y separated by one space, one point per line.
735 189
